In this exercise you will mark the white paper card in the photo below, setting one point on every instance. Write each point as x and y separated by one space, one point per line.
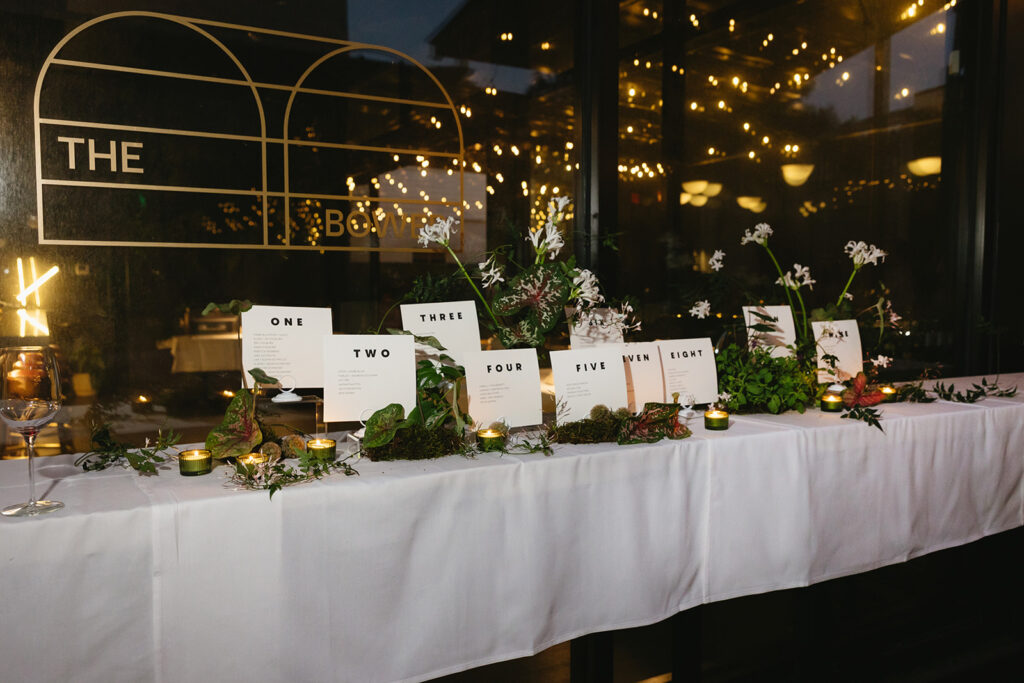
453 323
645 381
285 342
503 385
594 333
585 378
689 366
783 334
365 372
839 338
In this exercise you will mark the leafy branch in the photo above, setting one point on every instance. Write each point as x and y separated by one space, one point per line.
864 414
273 475
973 394
108 452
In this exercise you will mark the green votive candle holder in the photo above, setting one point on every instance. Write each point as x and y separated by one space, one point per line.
889 392
490 439
195 462
323 448
716 419
831 403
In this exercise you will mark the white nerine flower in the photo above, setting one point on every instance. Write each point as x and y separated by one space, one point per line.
715 262
701 309
881 361
490 272
894 318
760 235
440 232
863 253
589 288
800 277
848 296
724 397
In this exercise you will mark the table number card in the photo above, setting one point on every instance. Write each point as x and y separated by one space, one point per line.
595 333
645 381
689 366
365 372
453 323
285 342
585 378
503 385
783 333
839 338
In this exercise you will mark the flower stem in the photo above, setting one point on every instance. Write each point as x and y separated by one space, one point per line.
843 293
782 276
497 325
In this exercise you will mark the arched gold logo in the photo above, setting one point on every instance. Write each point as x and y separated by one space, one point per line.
205 146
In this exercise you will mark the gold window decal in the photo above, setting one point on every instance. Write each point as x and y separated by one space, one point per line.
105 180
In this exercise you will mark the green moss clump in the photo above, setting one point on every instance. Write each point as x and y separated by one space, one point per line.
416 442
602 425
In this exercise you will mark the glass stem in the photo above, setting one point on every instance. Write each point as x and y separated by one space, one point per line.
30 447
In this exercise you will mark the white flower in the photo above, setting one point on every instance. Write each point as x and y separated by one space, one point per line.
490 272
848 296
760 235
863 253
589 291
881 361
724 397
800 277
552 241
623 318
701 309
715 262
440 232
894 318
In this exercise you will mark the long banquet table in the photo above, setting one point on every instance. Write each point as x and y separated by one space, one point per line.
417 569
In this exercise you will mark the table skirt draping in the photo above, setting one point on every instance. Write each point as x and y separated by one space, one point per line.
417 569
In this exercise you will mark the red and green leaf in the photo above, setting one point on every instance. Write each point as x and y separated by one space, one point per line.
542 290
859 394
239 433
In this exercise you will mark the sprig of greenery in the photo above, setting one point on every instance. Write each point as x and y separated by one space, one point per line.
274 474
973 394
867 415
108 452
756 381
914 392
524 445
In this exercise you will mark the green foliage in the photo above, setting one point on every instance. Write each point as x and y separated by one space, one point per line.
274 475
233 307
974 394
602 425
541 292
107 452
383 424
655 422
914 392
263 378
525 445
416 442
865 414
756 382
239 433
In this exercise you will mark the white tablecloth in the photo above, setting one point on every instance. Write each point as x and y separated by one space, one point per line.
417 569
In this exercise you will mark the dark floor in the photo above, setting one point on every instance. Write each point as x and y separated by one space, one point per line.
956 615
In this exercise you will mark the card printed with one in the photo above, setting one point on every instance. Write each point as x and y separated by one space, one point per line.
286 343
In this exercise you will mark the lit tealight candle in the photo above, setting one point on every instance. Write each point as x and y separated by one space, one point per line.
831 403
322 448
490 439
889 392
252 459
716 419
195 462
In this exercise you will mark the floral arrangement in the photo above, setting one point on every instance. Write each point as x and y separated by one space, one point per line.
526 308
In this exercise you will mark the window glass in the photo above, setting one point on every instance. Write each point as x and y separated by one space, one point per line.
295 166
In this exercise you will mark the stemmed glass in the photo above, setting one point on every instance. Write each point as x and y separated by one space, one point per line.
29 398
686 400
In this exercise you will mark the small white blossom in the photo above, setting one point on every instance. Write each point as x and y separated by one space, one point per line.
848 296
760 235
894 318
490 272
589 291
715 262
863 253
724 397
881 361
701 309
440 232
800 277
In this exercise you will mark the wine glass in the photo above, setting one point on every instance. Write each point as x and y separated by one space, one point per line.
29 398
686 400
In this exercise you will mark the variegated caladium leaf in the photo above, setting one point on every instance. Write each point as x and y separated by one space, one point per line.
542 290
655 422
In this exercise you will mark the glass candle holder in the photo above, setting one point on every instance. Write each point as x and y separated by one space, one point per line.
716 419
889 391
490 439
323 448
831 402
252 459
195 462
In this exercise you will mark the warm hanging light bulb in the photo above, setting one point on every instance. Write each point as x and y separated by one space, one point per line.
796 175
925 166
695 186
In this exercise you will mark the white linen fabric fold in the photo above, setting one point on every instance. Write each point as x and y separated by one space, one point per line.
417 569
